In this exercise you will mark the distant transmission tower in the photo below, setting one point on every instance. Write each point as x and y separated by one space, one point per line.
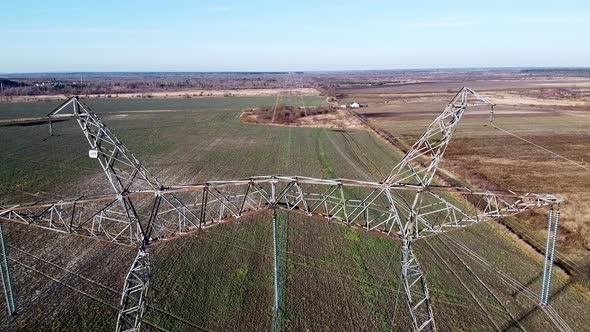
404 206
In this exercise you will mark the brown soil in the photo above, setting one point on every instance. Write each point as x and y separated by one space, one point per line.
320 117
551 115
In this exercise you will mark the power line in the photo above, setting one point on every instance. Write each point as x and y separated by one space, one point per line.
340 275
64 284
517 285
96 284
488 288
471 293
543 148
79 291
532 238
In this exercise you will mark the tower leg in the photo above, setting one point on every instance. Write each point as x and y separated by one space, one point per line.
417 295
276 309
552 229
6 277
134 293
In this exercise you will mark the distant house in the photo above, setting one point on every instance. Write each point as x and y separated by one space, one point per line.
354 104
43 83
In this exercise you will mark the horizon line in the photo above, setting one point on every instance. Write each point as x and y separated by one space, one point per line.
288 71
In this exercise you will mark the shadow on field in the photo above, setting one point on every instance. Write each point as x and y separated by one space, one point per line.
535 308
29 122
528 284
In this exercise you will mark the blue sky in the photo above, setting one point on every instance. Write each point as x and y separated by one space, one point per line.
40 36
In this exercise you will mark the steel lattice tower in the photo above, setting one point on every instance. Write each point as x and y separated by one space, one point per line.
405 206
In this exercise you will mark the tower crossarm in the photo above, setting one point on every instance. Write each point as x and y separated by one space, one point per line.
439 212
371 206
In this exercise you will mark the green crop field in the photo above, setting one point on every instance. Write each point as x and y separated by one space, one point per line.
14 110
335 278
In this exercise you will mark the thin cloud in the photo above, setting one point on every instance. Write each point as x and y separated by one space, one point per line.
555 19
220 9
452 22
78 30
440 23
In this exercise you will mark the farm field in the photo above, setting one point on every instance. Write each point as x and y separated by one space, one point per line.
554 117
336 278
32 109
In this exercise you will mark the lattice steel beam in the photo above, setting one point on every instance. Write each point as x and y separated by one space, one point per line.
417 294
421 161
5 275
124 173
552 230
134 293
276 307
374 207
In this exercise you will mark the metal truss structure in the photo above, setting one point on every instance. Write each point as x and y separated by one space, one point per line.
405 206
134 293
5 275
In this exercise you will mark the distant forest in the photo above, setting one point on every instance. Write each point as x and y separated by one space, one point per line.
325 82
114 83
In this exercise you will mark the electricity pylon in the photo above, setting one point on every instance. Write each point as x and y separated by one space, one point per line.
405 206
